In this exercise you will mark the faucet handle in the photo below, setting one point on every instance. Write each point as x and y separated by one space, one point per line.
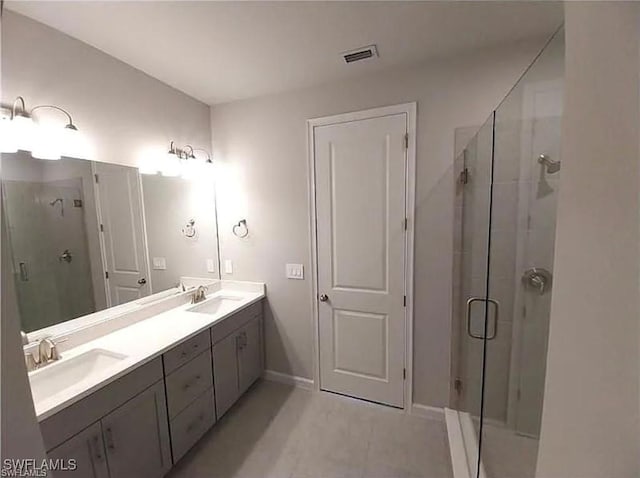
30 362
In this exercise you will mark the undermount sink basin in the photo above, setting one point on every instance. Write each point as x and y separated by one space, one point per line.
215 304
57 377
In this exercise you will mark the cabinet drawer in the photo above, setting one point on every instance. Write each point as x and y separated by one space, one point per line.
190 424
232 323
188 382
184 352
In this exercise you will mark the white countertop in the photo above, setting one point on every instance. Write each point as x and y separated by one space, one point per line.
140 343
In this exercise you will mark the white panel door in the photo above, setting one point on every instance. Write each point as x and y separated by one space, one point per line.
360 200
120 203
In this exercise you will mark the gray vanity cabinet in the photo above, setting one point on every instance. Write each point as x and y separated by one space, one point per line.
136 436
225 373
119 431
250 354
237 360
87 449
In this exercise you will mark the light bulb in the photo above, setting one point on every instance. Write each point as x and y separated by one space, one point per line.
7 139
47 142
171 165
73 143
22 131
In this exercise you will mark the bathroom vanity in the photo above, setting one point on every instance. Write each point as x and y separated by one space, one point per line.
131 403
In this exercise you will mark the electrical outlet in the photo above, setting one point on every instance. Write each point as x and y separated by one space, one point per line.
159 263
211 268
228 266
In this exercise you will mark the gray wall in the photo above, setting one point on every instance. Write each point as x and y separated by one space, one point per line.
590 423
125 114
262 146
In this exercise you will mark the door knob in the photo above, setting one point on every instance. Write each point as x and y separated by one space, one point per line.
324 297
142 281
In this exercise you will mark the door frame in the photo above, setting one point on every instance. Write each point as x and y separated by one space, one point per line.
410 109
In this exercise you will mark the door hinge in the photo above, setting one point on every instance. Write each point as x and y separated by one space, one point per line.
106 274
404 301
518 395
101 227
464 176
95 176
406 223
404 374
406 141
457 386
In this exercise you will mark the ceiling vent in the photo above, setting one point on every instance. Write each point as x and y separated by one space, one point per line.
365 53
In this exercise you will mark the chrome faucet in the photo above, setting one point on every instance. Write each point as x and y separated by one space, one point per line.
199 295
47 353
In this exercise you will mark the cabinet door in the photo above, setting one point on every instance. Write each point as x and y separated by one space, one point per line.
225 373
250 354
82 456
136 436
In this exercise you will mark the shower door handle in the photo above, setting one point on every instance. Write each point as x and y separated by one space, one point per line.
496 314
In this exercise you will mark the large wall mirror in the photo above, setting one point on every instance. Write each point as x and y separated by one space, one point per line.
84 236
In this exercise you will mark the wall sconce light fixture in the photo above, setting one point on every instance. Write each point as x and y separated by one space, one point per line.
180 162
44 139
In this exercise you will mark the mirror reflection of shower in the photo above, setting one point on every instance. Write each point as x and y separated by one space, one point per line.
548 167
549 164
56 201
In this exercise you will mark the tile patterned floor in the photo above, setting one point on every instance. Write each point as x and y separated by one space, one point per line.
276 431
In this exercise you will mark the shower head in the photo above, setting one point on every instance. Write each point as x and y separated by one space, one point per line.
550 165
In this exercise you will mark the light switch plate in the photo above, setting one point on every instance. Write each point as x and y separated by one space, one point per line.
295 271
210 266
159 263
228 266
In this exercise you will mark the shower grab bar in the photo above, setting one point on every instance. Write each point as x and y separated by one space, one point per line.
496 314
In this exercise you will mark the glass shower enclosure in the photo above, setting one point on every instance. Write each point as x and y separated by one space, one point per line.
506 193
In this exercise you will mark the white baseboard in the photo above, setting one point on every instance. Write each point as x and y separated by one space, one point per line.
459 462
433 413
463 445
287 379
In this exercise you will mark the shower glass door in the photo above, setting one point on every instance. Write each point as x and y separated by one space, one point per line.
525 171
475 311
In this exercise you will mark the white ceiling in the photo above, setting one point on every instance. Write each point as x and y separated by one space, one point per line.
224 51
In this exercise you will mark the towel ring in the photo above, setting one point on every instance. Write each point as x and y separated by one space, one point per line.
189 230
238 229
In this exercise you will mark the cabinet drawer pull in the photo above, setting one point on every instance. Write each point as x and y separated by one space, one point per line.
96 448
196 422
190 383
109 437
